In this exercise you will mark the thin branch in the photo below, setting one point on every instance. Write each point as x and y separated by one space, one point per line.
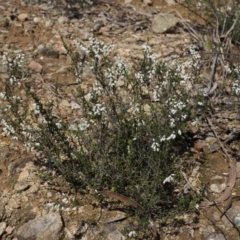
212 76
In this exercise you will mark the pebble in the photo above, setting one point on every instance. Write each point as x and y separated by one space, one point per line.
9 230
216 236
2 227
63 19
23 175
214 147
21 186
35 66
237 220
13 204
23 17
49 23
217 188
119 83
164 22
36 20
49 194
49 53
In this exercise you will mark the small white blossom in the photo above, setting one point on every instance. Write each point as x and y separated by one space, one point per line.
36 108
227 68
172 136
236 87
139 76
155 146
8 129
184 116
83 126
169 179
237 70
3 95
59 125
98 109
172 122
162 139
132 234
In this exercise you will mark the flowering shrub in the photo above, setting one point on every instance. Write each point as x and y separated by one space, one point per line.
130 127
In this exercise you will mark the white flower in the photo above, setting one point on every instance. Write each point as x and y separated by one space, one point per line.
184 116
139 76
14 138
8 129
169 179
163 138
236 87
132 234
194 123
155 146
44 120
156 96
173 111
78 80
98 109
172 122
172 136
12 80
59 125
120 67
84 125
36 108
3 95
237 69
227 68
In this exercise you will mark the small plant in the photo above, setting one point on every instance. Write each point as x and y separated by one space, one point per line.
221 23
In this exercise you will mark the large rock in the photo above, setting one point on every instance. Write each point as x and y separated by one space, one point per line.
164 22
41 228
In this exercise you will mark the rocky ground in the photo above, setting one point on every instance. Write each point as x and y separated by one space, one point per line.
32 207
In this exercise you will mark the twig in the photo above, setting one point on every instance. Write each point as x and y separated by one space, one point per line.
212 76
232 172
185 177
232 27
219 141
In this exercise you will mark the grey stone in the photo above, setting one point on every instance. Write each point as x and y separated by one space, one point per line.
2 227
41 228
45 7
35 66
11 168
115 235
21 186
13 204
216 236
214 147
49 53
164 22
63 19
49 23
217 188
